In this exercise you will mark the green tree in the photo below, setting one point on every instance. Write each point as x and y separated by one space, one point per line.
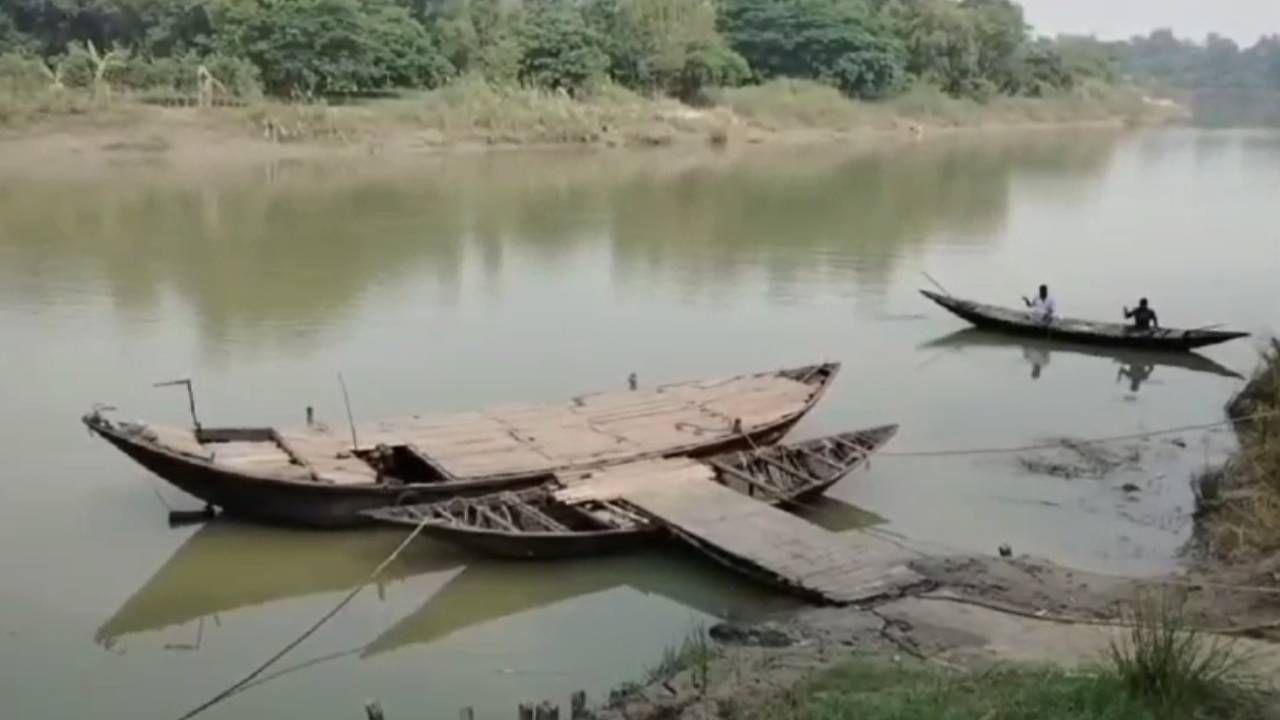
942 45
841 41
305 47
669 46
558 49
1000 32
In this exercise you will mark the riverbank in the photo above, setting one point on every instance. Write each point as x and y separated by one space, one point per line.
1002 638
1014 638
1238 504
472 115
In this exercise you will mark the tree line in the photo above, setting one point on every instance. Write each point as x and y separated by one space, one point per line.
305 48
1165 60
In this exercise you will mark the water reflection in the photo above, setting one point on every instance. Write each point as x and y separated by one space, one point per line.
282 257
489 590
226 566
1135 366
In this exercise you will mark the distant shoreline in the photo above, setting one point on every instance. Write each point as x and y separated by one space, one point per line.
790 114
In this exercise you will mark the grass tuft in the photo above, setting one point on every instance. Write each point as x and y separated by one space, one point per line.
1175 669
694 652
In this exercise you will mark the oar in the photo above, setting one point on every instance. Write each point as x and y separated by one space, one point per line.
936 284
1208 327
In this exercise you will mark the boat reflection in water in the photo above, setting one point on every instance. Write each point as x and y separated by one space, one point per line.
226 566
1136 366
488 589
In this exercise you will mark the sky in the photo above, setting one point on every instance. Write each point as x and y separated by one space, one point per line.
1243 20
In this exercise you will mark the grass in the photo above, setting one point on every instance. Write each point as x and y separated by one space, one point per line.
1159 669
1240 502
694 652
1176 670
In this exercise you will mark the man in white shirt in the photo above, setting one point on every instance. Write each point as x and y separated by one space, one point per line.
1043 309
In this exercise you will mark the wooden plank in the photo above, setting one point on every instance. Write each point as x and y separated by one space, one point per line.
744 477
547 522
753 536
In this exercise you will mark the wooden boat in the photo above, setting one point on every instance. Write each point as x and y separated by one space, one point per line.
538 524
1019 322
315 476
975 338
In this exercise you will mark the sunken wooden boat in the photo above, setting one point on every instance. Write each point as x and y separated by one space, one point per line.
1020 322
316 476
542 523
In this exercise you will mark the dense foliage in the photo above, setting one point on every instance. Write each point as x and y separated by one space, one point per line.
866 48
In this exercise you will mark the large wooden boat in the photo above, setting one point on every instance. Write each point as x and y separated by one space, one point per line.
1020 322
316 476
540 523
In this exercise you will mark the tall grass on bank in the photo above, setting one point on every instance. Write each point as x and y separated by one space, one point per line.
781 104
1163 660
1240 502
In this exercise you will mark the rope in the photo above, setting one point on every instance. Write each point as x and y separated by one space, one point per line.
243 682
1068 620
1088 441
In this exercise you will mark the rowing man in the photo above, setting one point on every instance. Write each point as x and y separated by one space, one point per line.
1144 318
1043 309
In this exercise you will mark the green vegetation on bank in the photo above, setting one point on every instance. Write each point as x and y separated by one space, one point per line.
867 49
1240 502
1166 61
1159 669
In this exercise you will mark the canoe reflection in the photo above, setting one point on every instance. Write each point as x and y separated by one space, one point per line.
1136 366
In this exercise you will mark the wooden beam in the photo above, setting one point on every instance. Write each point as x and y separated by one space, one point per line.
743 477
859 450
822 458
495 518
792 471
537 515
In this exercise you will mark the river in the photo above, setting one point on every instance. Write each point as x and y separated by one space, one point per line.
444 283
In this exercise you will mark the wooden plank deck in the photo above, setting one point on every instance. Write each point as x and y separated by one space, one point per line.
750 535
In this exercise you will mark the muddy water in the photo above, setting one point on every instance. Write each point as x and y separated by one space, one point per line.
452 283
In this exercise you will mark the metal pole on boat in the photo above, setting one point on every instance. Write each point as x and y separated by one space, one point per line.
191 397
346 399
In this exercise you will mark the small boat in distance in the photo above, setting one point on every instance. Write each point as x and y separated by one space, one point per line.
315 476
537 524
1020 322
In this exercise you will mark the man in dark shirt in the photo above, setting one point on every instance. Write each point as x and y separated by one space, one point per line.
1144 318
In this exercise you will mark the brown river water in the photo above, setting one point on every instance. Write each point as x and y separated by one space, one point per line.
452 283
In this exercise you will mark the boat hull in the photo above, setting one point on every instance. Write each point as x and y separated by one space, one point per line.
1016 322
311 504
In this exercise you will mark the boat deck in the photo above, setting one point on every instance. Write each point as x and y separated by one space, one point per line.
749 535
516 440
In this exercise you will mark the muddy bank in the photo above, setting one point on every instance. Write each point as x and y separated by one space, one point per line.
979 612
203 140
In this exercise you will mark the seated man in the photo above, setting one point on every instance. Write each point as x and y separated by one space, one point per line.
1043 309
1144 318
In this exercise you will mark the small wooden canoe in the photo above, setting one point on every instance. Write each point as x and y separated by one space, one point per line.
1019 322
534 524
315 476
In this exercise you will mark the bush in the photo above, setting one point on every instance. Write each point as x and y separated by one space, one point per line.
23 75
1165 661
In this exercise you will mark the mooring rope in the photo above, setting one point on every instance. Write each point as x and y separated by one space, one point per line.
1071 441
243 682
1070 620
